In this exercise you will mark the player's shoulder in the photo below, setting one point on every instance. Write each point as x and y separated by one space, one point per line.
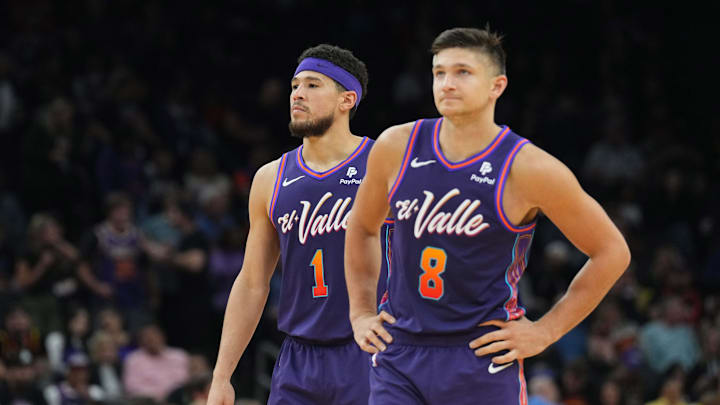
392 142
537 172
265 178
396 134
268 171
263 184
533 160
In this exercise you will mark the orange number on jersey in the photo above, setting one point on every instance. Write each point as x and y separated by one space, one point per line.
432 263
320 289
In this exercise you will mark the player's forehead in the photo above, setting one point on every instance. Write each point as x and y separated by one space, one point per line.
309 76
459 57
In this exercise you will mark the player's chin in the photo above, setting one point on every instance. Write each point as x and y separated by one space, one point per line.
299 115
300 120
449 110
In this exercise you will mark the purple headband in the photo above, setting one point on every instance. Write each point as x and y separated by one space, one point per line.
340 75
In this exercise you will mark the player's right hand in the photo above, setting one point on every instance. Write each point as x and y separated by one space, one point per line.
368 329
221 393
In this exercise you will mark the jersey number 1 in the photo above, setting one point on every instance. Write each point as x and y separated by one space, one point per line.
432 263
320 289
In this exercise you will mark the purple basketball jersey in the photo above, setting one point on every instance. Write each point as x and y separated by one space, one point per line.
456 258
309 210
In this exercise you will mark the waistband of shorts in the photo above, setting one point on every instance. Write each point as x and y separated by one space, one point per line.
311 342
451 339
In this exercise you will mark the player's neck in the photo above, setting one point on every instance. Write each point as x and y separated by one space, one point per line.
324 152
462 136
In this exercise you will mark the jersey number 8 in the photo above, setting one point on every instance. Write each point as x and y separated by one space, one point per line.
432 263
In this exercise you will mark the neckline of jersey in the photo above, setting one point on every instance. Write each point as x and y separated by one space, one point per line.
504 130
322 175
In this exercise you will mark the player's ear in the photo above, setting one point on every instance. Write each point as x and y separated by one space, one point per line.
347 100
498 85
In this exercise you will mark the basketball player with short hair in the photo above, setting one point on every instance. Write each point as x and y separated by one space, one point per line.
466 194
299 205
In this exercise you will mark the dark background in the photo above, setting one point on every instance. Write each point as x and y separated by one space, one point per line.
151 98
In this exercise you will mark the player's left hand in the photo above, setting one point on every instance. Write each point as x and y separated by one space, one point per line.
522 338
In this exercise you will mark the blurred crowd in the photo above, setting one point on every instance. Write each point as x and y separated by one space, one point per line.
130 132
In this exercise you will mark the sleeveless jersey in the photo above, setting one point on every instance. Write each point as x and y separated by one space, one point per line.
456 258
309 210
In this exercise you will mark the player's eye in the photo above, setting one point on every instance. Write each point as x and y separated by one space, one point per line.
464 72
294 86
439 73
312 85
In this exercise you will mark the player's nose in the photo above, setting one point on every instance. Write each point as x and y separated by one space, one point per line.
297 94
447 83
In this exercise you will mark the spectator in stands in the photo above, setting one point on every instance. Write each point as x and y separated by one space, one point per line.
158 227
21 359
162 175
20 339
214 216
613 159
610 393
204 174
196 390
52 178
185 309
106 369
45 273
543 390
60 345
575 383
225 261
672 391
670 330
76 388
113 265
110 322
705 377
154 369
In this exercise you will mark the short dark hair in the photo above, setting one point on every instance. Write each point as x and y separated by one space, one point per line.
116 200
482 40
343 58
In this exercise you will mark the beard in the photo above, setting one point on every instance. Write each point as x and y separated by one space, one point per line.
316 127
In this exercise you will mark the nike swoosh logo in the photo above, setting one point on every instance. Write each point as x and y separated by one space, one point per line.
287 182
494 370
415 164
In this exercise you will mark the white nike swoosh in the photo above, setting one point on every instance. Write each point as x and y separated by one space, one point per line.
494 370
287 182
415 164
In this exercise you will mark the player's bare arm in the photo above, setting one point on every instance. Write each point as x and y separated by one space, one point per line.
539 181
250 290
362 238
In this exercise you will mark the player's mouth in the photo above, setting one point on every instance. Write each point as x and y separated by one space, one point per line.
449 98
298 108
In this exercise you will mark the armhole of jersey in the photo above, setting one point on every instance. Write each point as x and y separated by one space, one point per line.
499 191
276 188
406 159
386 228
